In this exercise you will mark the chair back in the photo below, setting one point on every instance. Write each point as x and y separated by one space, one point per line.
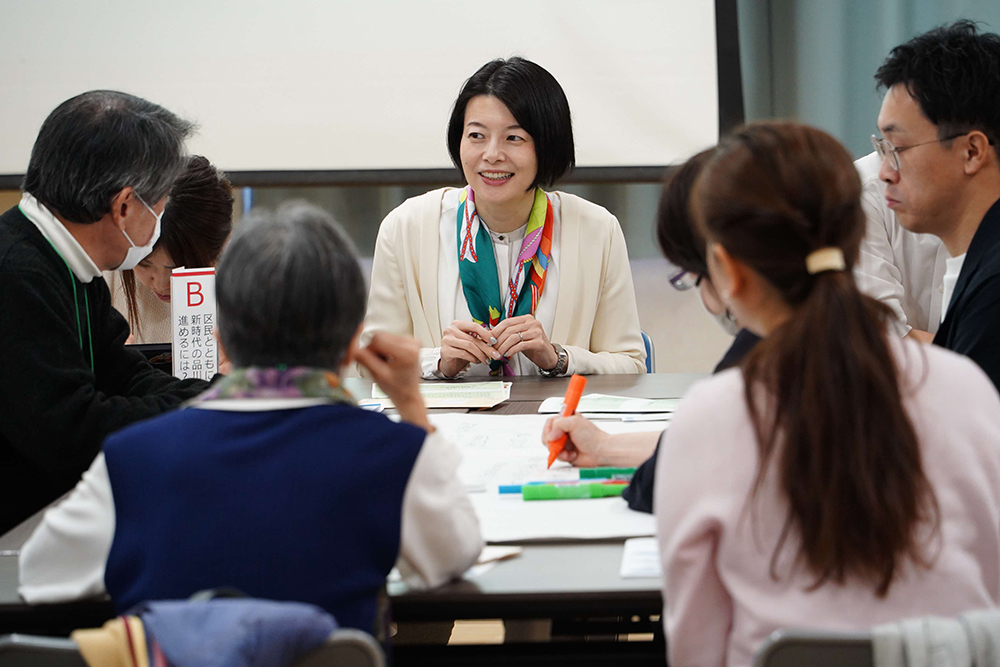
650 352
806 648
346 647
31 651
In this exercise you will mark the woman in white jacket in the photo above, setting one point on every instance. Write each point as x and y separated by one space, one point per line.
501 277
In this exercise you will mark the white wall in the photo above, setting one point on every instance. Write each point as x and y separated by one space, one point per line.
686 337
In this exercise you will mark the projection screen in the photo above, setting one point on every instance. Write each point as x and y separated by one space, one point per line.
328 86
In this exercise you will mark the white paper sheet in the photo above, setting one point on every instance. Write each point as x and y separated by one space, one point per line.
491 554
641 558
510 519
630 417
501 449
455 394
508 449
607 403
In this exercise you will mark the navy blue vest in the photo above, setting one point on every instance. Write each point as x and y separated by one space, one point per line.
298 505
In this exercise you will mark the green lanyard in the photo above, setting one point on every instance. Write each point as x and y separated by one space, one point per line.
76 304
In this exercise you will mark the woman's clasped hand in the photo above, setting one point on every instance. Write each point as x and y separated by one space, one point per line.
464 343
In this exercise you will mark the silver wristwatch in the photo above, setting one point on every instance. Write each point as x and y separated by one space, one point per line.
561 363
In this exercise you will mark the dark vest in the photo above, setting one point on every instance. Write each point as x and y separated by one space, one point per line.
972 323
300 505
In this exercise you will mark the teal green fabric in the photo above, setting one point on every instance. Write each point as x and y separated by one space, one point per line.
814 61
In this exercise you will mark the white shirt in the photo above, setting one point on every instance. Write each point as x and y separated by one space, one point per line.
953 267
64 558
451 297
154 315
79 261
899 268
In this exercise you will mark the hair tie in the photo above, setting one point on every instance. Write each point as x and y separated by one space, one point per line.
825 259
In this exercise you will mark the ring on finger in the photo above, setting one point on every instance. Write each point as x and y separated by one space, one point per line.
520 336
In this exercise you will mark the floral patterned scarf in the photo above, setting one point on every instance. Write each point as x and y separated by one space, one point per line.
278 382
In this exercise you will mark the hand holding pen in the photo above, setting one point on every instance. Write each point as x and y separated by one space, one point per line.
573 393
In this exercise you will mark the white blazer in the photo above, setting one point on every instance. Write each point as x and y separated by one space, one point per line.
596 318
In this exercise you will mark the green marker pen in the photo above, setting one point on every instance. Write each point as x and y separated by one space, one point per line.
572 491
607 473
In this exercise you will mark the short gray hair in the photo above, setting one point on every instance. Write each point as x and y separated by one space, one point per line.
94 145
290 290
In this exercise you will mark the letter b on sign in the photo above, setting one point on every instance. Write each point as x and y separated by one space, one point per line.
195 297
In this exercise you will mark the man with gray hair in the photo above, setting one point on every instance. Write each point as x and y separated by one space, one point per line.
275 481
94 191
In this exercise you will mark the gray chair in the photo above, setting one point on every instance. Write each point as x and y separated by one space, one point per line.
345 647
31 651
805 648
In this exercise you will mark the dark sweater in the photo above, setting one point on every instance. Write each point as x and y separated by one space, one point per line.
972 323
301 504
55 411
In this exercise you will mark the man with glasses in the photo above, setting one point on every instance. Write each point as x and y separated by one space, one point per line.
939 122
901 269
94 191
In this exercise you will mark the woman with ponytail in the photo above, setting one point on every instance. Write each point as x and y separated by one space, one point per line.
841 478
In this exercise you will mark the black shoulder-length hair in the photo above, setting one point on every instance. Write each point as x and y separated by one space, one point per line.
537 102
953 73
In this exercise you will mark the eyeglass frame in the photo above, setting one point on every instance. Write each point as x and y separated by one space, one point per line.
684 280
894 151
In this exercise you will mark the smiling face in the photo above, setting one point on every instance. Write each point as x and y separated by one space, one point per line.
154 273
498 156
926 191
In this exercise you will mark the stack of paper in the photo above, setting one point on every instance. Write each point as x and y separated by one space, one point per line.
454 394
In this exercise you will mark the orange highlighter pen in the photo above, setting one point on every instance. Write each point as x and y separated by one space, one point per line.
573 393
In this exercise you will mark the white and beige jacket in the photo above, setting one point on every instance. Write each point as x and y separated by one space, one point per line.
594 318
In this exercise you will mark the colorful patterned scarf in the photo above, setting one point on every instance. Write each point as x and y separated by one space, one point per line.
477 266
280 382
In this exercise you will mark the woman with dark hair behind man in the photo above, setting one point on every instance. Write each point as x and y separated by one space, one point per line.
841 477
197 222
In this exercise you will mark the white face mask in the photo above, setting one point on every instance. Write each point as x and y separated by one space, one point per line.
724 319
138 253
727 322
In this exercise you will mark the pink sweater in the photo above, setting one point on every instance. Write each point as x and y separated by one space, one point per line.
721 601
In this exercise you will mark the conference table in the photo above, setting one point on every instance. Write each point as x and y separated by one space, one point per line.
597 617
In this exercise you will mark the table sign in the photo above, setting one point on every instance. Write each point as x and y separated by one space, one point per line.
193 316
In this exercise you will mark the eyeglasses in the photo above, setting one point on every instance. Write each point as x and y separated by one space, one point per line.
884 148
684 280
